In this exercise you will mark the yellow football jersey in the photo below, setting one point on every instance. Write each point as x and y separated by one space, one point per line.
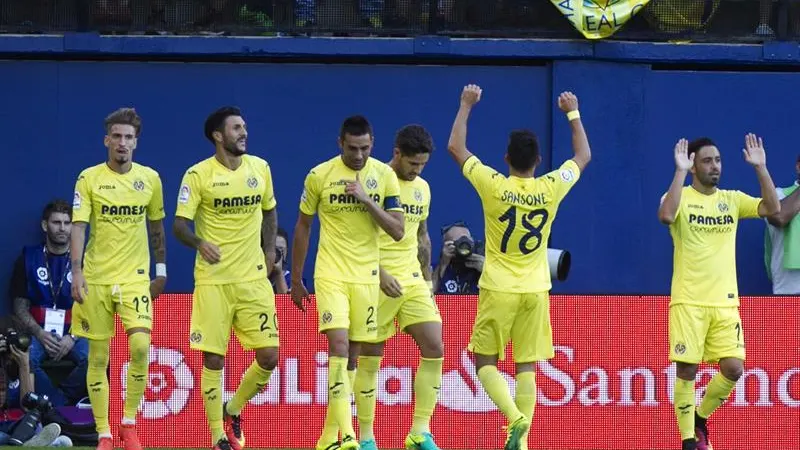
226 206
399 258
348 247
116 206
704 237
518 214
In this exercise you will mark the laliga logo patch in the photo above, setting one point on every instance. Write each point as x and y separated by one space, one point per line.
69 277
76 200
567 175
183 195
41 273
303 196
169 386
451 286
371 183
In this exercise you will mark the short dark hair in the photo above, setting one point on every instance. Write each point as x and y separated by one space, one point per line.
355 126
216 120
282 233
699 143
523 149
56 206
124 116
413 139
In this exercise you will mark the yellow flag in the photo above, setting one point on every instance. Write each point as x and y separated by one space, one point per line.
598 19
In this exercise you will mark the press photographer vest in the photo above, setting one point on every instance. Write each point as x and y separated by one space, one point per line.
49 282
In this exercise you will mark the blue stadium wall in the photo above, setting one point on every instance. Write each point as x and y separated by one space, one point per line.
636 99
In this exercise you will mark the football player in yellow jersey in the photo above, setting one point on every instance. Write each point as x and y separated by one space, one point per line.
514 303
406 295
120 201
704 323
355 196
230 198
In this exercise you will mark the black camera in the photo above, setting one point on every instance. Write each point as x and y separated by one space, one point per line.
278 255
20 341
36 406
465 247
36 402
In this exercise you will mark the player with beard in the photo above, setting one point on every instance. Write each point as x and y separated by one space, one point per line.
704 322
355 197
230 198
120 201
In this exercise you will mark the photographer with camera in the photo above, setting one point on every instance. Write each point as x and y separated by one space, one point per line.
22 408
281 276
460 262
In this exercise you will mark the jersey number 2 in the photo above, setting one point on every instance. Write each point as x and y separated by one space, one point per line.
534 230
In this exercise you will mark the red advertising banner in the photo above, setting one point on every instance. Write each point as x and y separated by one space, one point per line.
608 387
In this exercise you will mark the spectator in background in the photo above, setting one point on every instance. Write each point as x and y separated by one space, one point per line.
782 240
40 289
280 276
460 262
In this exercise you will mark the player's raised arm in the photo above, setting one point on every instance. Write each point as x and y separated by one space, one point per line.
568 103
457 145
755 155
669 204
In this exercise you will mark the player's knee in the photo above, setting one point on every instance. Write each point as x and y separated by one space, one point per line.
139 347
432 348
732 369
686 371
267 358
213 361
338 345
98 355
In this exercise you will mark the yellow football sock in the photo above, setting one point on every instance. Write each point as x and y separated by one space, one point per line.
684 407
97 383
525 397
365 389
339 391
253 381
426 392
496 387
139 349
211 386
351 375
717 391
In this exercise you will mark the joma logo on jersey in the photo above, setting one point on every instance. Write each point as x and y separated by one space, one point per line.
232 202
350 199
123 210
711 220
416 210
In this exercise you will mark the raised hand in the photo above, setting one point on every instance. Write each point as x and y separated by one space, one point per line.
683 161
567 102
753 150
470 95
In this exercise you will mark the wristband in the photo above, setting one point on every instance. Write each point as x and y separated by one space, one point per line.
572 115
161 270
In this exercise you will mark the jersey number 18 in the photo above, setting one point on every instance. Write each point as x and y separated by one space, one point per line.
533 230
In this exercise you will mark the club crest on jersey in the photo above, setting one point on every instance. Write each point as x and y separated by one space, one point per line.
371 183
183 195
723 207
252 182
417 195
76 200
138 185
